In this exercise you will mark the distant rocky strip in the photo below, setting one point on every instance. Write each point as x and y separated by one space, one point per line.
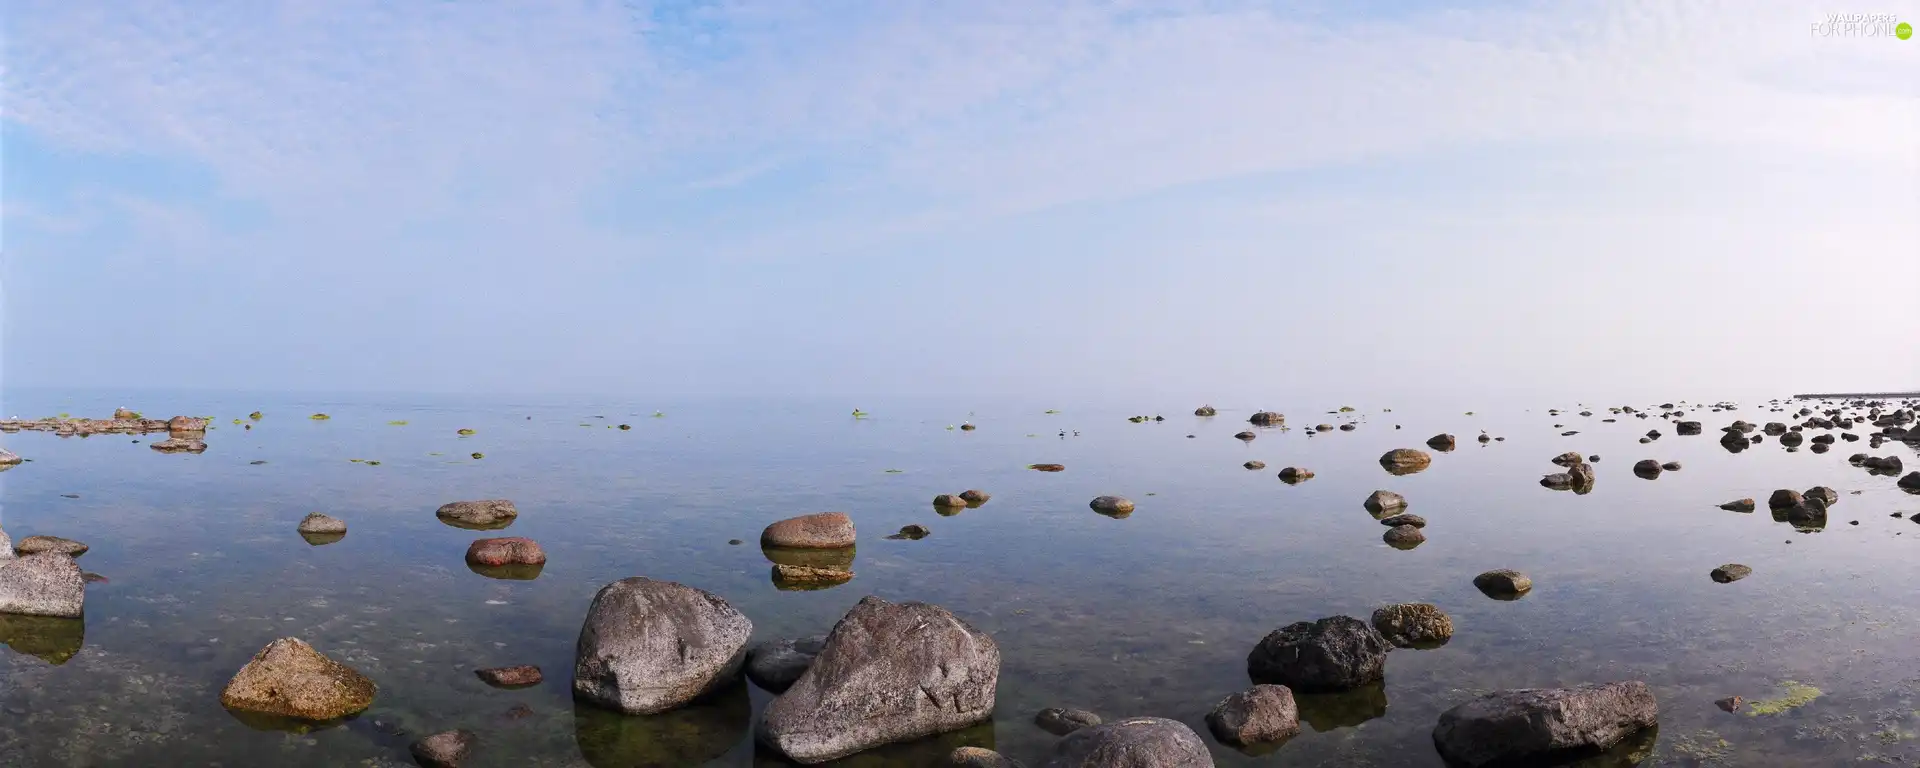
123 423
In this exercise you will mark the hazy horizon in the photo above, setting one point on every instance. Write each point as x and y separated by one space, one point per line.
1226 201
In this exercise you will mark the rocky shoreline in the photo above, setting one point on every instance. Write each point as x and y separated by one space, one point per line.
123 423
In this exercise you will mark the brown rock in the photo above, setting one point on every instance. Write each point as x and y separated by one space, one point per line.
447 749
826 530
290 679
33 545
949 500
510 677
509 550
1047 467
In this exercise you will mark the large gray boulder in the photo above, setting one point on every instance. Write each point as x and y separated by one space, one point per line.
1337 653
6 546
1539 725
45 584
889 672
651 646
1136 742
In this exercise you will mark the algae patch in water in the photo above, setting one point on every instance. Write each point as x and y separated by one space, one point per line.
397 423
319 417
464 432
1796 695
895 471
1050 410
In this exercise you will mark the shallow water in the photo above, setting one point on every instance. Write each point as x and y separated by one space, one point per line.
1148 615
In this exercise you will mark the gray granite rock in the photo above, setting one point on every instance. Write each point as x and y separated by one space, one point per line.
651 646
1136 742
46 584
1538 726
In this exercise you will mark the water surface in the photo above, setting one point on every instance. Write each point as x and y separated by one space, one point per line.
1148 615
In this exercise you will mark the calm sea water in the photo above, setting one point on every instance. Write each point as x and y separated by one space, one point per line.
1148 615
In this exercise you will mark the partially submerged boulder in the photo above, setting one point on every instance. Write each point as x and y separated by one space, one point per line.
1330 655
46 584
1405 461
1263 713
288 678
1413 625
651 646
1543 725
889 672
1136 742
316 522
826 530
484 513
509 550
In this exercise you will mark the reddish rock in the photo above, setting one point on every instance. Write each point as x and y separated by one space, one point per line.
510 677
510 550
827 530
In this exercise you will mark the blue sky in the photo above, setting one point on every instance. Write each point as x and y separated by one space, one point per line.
1194 198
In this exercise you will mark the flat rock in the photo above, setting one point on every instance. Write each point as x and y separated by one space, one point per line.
978 757
1334 654
510 677
180 445
1413 625
447 749
1542 725
1061 722
1263 713
1739 505
507 550
889 672
826 530
974 496
34 545
288 678
1136 742
775 664
46 584
1402 461
1404 519
316 522
1256 464
651 646
1403 537
485 512
1731 572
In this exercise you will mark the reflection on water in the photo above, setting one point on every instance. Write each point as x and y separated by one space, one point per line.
1153 616
691 735
320 539
54 640
262 721
510 572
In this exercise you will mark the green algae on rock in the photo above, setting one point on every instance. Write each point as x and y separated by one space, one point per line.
1794 695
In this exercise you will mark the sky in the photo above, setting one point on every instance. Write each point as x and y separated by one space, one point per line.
1207 199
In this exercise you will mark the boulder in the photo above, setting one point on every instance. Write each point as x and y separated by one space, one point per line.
974 497
1205 410
1403 461
1267 419
1911 481
826 530
447 749
9 458
1413 625
1405 519
1826 495
1558 481
1441 442
1688 428
1061 722
1255 464
1403 537
46 584
483 513
1246 435
651 646
1542 726
1263 713
316 522
775 664
509 550
1739 505
1504 582
1136 742
949 500
889 672
1647 468
288 678
1783 499
912 531
1337 653
1292 475
1384 501
1112 505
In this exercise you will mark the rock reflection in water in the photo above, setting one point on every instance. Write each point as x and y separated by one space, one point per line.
261 721
322 539
508 572
832 559
689 736
1329 711
54 640
932 750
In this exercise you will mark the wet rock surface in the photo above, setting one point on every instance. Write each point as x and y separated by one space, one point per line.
1263 713
1112 505
316 522
509 550
45 584
510 677
34 545
447 749
775 664
485 512
1730 573
1503 583
1061 722
1413 625
826 530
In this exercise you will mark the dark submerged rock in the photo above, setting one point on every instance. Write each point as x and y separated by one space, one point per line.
1061 722
1380 502
447 749
1114 506
510 677
1404 537
1295 475
1333 654
775 664
1731 572
1504 583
